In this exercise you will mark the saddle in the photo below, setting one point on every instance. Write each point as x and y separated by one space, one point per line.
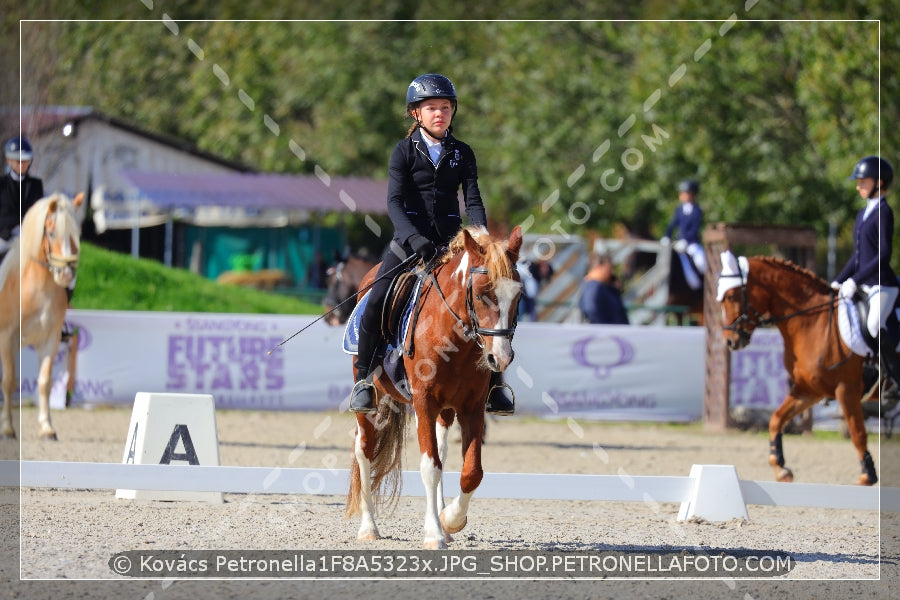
398 321
864 344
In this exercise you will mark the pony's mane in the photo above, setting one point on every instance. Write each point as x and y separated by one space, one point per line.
32 231
497 262
819 284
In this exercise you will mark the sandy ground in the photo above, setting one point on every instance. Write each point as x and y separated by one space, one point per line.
71 534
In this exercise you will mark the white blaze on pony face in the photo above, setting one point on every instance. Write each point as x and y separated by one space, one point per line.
63 235
508 292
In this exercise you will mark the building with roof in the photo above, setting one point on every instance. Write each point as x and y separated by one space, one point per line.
160 197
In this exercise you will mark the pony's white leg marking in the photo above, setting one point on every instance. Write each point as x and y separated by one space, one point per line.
453 518
431 476
367 528
44 383
443 435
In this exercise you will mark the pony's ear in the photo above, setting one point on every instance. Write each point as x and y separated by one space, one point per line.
78 200
471 246
515 243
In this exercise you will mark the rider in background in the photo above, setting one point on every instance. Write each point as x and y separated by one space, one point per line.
687 219
16 183
869 267
425 173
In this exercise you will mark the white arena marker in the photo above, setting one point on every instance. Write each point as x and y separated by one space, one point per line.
172 429
716 495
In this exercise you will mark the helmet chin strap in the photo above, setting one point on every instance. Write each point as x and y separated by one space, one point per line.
434 137
876 191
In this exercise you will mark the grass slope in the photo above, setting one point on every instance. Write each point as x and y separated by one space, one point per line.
113 281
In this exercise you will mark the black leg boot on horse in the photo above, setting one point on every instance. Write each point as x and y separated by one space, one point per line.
501 400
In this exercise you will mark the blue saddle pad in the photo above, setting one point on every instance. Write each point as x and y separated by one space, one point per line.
350 340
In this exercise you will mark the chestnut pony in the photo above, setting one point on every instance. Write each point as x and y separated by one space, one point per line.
770 291
466 321
33 280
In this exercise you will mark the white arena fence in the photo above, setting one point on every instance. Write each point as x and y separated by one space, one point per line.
711 484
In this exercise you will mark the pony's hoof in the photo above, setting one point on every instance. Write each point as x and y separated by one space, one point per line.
367 537
784 475
435 545
8 433
452 529
864 480
49 435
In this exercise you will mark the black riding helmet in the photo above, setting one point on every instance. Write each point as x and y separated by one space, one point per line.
876 168
430 85
18 148
689 185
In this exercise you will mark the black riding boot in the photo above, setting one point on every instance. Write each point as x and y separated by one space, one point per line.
362 398
501 400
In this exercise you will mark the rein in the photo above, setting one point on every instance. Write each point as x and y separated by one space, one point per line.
757 319
390 273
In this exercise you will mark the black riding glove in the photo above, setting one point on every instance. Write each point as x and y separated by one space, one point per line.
422 246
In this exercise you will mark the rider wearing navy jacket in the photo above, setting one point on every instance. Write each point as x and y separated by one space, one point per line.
688 219
16 183
426 171
869 267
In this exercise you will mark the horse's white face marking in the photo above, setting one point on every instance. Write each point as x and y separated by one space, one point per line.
462 270
507 292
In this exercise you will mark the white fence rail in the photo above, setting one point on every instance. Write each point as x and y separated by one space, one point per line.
533 486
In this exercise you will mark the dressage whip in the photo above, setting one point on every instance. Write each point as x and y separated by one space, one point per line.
407 260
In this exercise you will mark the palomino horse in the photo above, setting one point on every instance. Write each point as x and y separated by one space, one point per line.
764 290
33 280
343 283
466 320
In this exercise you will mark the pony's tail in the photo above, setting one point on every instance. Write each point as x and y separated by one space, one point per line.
387 462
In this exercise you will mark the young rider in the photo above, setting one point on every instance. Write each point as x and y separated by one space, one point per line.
426 171
869 267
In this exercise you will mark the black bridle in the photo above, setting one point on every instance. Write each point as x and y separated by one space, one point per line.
750 315
473 330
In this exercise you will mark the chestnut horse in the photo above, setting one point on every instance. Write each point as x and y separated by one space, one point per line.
33 280
343 282
765 290
466 320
